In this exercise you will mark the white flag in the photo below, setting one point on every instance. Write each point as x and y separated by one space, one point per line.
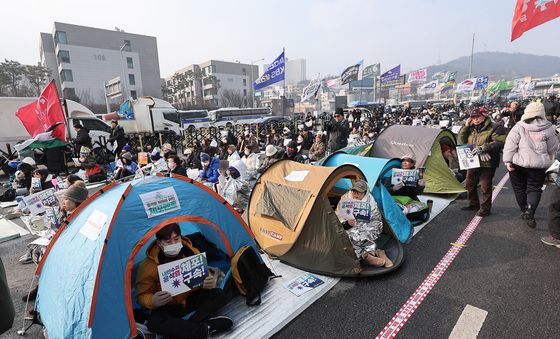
310 91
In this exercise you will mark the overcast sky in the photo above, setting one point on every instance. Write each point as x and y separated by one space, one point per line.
330 34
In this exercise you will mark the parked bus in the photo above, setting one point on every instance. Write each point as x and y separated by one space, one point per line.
236 116
194 119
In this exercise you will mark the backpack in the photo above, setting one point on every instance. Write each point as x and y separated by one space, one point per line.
250 274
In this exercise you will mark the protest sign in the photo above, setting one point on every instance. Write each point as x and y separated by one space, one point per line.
407 177
352 209
303 283
183 275
160 202
39 201
467 160
142 158
94 224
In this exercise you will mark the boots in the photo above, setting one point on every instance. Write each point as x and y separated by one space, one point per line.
381 254
372 260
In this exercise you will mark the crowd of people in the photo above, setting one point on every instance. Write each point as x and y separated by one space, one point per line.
522 136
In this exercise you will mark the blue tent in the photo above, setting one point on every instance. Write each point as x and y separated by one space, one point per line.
86 276
375 169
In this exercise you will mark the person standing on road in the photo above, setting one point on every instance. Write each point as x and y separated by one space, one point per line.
488 139
117 134
553 239
528 152
82 137
513 113
338 130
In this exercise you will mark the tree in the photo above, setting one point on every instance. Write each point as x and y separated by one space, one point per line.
14 71
231 98
4 82
37 76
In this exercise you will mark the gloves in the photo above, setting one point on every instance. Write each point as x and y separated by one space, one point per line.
421 183
397 187
480 149
161 298
484 156
210 282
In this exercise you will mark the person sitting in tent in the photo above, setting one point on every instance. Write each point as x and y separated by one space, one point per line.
128 168
365 225
166 311
233 188
210 168
408 162
72 197
452 161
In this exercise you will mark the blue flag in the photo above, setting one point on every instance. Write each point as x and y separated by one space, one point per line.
273 74
481 83
391 75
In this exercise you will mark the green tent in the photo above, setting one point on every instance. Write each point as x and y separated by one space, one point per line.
424 143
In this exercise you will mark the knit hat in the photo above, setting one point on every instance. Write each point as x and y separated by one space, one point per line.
534 110
204 157
126 148
29 161
234 172
127 156
76 194
360 186
445 148
270 150
409 156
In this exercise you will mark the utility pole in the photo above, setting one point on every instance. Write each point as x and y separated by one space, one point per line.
472 53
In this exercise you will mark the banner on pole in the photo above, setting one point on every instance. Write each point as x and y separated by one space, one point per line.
466 85
530 14
371 71
310 91
391 75
351 73
273 74
420 75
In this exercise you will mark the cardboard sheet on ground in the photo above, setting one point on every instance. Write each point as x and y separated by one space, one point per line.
440 204
279 305
10 230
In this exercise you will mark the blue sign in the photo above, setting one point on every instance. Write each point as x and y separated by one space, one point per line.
273 74
391 75
481 83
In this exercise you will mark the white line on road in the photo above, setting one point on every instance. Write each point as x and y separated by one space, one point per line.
469 323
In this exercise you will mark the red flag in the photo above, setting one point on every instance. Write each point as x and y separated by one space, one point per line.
531 13
41 115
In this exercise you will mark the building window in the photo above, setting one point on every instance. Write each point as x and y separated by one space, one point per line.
66 75
129 62
69 93
133 95
60 37
127 46
244 82
63 56
244 71
244 91
131 80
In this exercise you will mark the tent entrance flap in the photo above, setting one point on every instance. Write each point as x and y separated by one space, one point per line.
283 203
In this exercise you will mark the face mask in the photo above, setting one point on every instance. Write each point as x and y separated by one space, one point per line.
247 153
172 250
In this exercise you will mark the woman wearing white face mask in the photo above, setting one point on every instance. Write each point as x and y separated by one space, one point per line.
167 311
251 161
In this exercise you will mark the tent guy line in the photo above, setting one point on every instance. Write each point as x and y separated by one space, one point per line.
401 317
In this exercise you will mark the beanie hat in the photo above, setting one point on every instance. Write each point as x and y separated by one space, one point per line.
204 157
533 110
76 194
126 148
270 150
445 148
127 156
29 161
409 156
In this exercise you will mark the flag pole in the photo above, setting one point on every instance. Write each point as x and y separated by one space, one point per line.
284 84
472 52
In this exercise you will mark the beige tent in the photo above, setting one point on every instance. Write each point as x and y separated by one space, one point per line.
291 213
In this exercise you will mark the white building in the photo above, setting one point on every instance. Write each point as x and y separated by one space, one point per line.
214 83
82 59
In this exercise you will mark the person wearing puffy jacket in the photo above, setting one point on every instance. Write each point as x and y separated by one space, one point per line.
528 152
553 239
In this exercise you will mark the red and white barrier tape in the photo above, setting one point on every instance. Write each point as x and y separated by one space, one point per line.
402 316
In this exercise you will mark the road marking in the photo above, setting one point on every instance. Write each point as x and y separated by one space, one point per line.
401 317
469 323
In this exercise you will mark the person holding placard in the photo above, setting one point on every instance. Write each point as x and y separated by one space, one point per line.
488 139
360 217
167 311
412 187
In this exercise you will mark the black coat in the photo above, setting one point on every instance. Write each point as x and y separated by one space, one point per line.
117 134
7 311
338 134
179 170
83 139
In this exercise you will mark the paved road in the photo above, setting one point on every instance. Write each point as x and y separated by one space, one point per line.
505 270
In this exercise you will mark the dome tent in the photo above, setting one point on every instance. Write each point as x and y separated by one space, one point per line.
375 170
291 213
85 282
424 143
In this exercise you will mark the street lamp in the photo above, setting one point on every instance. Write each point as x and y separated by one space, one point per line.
253 82
123 80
